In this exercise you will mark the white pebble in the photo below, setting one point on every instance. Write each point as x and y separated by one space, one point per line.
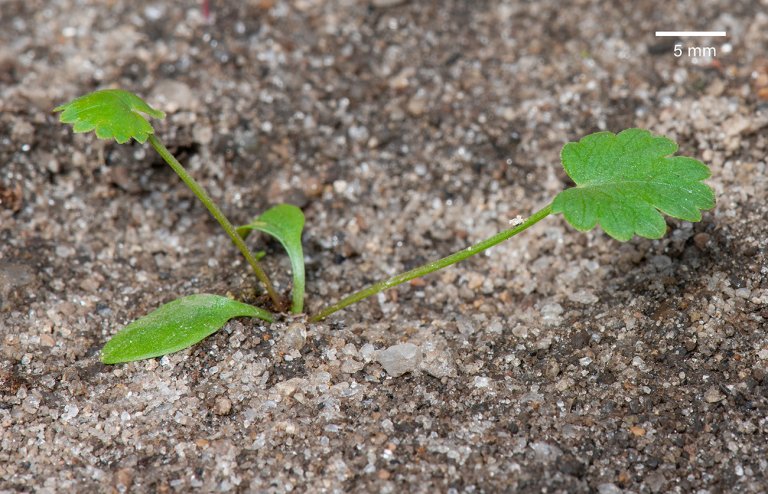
70 412
399 359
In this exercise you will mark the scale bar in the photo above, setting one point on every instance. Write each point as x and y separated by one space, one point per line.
690 33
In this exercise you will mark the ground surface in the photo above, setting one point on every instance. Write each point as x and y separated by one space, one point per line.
560 362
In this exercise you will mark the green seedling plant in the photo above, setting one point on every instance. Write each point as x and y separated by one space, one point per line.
623 182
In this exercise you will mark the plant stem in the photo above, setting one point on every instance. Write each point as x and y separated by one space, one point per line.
219 215
433 266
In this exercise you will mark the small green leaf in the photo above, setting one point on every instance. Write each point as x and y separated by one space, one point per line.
113 113
285 222
175 326
625 181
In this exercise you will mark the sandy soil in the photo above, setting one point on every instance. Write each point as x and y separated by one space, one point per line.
559 362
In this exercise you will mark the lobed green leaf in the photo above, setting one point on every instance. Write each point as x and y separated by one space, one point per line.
175 326
625 181
285 222
112 113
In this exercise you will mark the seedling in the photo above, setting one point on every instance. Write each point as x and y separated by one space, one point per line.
623 182
117 114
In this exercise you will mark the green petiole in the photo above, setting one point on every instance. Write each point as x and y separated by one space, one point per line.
201 194
433 266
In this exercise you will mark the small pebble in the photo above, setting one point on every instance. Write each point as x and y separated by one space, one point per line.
399 359
481 382
637 431
701 240
713 395
222 406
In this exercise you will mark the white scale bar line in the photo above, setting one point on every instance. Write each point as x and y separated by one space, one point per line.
690 33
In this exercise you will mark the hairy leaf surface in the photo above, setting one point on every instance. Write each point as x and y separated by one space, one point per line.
112 113
625 181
